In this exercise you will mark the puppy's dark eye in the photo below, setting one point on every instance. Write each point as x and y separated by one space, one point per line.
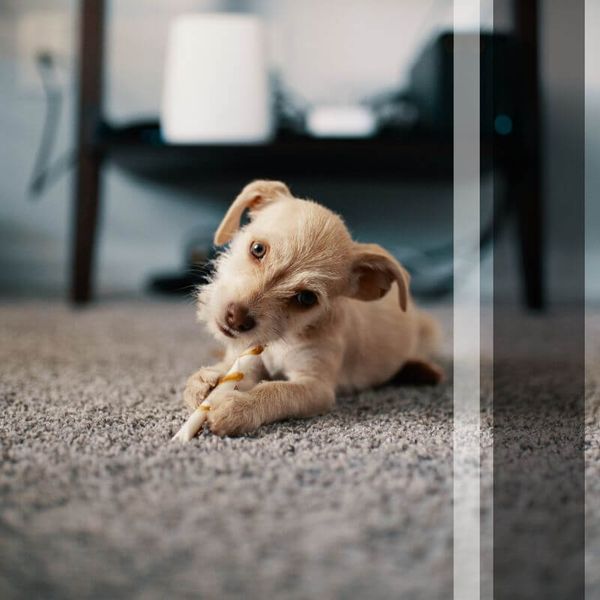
306 298
258 249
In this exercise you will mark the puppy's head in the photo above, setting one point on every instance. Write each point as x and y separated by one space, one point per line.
284 270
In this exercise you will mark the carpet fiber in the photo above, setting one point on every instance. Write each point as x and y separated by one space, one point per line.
96 502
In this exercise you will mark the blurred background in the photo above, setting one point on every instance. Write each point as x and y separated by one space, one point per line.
127 128
340 53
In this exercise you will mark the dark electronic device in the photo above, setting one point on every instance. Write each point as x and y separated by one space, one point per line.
431 89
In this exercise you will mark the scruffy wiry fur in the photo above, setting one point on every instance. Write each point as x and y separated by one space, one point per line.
363 329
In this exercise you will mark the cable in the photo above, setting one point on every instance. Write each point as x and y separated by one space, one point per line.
43 174
443 255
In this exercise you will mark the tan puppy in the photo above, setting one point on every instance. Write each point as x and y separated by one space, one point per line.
293 280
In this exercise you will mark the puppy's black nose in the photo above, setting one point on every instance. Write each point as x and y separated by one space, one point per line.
238 318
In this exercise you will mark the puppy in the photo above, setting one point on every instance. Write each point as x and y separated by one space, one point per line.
335 315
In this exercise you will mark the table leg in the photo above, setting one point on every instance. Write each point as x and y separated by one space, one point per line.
89 156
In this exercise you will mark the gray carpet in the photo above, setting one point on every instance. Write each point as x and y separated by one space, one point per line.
97 503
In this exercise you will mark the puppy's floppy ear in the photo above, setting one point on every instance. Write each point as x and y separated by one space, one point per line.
254 196
372 273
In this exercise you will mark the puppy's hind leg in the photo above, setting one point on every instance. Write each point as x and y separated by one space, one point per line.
430 334
418 372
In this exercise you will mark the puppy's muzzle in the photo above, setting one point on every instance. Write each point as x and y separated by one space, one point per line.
238 318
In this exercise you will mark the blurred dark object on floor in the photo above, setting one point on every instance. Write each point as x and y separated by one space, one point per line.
197 270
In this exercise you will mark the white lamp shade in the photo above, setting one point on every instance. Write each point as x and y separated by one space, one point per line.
216 87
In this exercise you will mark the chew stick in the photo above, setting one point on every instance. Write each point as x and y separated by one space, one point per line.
244 374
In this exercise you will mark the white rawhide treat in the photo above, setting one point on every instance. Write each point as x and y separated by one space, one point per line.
244 374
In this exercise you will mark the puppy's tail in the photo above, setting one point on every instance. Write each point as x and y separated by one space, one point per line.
430 335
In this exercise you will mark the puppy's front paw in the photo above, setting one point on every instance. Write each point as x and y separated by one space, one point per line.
199 385
233 414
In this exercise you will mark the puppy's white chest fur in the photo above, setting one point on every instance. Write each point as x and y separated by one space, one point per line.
275 358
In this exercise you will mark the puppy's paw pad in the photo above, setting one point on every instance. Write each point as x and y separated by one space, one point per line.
232 415
198 386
